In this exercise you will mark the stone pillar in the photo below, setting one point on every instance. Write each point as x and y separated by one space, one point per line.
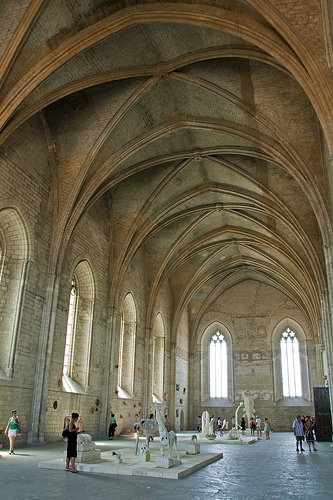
108 369
148 368
172 390
41 381
327 312
111 378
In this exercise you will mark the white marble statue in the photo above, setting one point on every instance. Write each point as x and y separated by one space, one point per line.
168 440
249 406
147 427
237 426
84 443
211 426
205 423
225 424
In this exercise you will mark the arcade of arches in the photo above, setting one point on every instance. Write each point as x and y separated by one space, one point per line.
165 210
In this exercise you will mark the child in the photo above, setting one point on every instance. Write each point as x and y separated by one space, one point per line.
267 428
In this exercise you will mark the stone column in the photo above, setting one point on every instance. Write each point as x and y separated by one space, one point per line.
327 312
172 390
147 387
111 371
41 381
108 370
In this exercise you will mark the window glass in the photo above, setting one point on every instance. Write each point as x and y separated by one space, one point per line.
290 362
218 366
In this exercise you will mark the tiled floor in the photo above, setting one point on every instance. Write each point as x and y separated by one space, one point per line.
268 469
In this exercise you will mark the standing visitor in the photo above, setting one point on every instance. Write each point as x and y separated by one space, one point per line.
258 425
309 436
113 425
219 425
199 428
298 432
242 424
267 428
12 430
252 426
72 443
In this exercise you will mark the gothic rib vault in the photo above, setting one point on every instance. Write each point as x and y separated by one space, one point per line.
195 133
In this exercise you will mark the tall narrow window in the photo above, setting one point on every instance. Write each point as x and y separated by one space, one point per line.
79 330
218 366
127 348
70 330
290 362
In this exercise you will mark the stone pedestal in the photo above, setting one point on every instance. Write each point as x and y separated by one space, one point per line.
193 449
144 457
118 460
166 462
86 456
86 449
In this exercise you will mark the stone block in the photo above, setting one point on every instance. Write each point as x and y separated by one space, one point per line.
193 449
166 462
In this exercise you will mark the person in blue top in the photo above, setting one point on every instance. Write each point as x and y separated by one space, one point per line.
12 430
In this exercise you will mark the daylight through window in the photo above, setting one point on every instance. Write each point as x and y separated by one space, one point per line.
218 366
290 361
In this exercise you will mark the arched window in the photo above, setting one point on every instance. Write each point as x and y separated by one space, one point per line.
127 348
79 330
290 363
218 366
67 368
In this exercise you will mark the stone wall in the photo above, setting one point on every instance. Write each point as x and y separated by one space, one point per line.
254 314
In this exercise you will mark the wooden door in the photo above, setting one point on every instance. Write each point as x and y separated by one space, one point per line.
322 413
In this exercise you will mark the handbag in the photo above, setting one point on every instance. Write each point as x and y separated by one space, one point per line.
65 432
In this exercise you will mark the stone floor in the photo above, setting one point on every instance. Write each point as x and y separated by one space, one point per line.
264 470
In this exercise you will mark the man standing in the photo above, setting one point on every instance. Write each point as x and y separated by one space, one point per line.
298 432
258 425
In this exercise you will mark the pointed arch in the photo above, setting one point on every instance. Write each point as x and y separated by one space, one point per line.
280 370
206 362
13 268
79 329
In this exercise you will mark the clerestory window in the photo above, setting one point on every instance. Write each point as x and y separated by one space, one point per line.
70 329
290 363
79 330
218 363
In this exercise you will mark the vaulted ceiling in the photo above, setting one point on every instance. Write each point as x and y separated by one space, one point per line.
208 123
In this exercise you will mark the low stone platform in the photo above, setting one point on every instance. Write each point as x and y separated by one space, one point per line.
132 466
223 440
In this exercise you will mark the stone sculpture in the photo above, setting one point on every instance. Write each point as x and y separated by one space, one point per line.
236 414
193 448
86 449
205 423
211 426
168 440
249 405
144 453
147 427
234 433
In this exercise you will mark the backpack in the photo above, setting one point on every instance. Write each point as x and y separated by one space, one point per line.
65 432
